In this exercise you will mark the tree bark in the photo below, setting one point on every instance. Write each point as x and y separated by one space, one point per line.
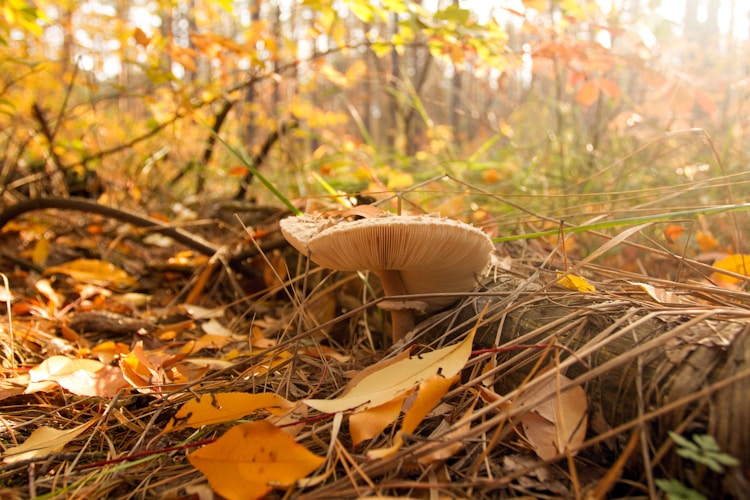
680 367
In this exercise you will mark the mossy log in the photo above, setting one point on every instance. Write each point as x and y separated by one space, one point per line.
682 366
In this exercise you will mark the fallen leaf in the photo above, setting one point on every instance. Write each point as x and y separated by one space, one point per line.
109 351
661 295
323 351
706 242
94 271
42 442
573 282
215 408
367 424
251 459
559 422
431 390
389 379
213 327
672 232
85 377
737 263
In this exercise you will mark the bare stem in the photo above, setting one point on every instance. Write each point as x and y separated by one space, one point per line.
402 319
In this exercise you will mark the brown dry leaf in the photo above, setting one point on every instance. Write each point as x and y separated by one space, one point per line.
323 351
738 263
449 449
85 377
258 340
43 441
558 423
221 407
371 422
661 295
251 459
210 341
387 380
94 271
270 361
274 269
431 390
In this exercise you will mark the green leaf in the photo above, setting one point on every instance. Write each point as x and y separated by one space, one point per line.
683 443
706 442
675 490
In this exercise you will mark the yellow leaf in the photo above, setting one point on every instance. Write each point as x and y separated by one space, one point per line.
251 459
737 263
399 180
557 423
430 392
333 75
221 407
538 5
97 272
389 379
369 423
109 351
42 442
41 251
573 282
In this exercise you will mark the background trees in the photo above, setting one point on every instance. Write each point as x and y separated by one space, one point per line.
537 98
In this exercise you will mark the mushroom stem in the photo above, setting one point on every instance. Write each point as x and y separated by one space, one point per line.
402 320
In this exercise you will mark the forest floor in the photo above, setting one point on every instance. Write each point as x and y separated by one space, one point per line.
137 367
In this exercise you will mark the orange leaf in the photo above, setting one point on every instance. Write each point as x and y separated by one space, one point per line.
221 407
672 232
253 458
588 94
609 88
430 392
369 423
706 242
141 38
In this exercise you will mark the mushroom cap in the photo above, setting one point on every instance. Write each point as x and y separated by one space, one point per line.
432 254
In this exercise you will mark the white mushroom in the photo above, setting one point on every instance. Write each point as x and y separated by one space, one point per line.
412 255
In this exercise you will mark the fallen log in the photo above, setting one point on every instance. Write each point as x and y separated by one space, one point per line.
681 366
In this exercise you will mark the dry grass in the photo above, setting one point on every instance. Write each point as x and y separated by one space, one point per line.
647 366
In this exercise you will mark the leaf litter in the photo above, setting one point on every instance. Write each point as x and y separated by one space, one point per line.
242 391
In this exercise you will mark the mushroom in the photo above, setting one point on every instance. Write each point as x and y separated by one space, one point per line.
411 254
